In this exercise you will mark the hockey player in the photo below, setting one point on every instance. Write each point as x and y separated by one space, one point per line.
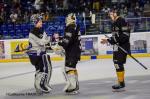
71 44
38 40
120 36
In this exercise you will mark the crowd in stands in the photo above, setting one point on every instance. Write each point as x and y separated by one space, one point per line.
20 10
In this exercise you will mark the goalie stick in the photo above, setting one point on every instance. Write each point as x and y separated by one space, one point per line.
27 49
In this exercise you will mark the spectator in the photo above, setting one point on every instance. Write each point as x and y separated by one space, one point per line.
26 17
122 1
14 17
25 7
137 10
65 4
123 10
38 4
1 5
19 19
147 5
96 5
55 37
73 4
81 6
2 16
105 9
45 5
16 4
60 4
141 3
88 4
1 36
114 2
1 20
130 13
46 16
147 9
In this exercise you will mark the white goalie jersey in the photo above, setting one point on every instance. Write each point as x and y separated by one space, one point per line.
38 41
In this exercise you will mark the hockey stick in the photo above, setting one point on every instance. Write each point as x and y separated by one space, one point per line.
129 54
27 49
50 48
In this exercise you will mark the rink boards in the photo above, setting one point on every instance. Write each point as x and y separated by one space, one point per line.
82 58
91 48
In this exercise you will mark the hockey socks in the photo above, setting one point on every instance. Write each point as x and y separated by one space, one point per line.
120 76
121 85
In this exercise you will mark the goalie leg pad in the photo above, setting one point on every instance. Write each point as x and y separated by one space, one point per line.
39 83
47 68
71 77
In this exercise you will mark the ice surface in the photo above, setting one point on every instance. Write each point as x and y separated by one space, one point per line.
95 77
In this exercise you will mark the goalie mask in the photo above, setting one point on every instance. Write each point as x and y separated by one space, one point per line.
70 19
36 18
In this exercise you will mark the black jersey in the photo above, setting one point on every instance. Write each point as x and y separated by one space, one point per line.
71 42
120 36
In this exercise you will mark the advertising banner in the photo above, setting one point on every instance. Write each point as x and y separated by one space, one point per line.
89 45
2 50
139 44
16 49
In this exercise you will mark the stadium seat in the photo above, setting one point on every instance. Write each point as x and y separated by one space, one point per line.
50 23
25 33
12 33
5 33
17 26
10 27
24 26
19 33
45 26
30 26
3 27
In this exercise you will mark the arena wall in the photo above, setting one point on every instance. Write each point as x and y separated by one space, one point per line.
91 48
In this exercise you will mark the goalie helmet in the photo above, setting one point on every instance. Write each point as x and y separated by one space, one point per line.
70 19
36 18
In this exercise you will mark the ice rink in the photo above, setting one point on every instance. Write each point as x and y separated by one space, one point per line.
95 76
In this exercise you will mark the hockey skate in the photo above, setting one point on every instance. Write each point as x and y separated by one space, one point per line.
118 88
70 90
